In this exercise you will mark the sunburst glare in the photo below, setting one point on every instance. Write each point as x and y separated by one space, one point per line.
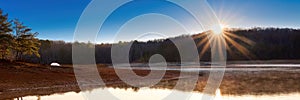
217 29
232 41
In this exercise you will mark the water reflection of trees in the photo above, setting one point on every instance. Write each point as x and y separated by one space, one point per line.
38 97
20 98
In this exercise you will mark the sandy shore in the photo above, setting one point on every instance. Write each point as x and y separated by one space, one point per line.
23 79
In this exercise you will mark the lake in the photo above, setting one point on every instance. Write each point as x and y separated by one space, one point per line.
155 94
208 67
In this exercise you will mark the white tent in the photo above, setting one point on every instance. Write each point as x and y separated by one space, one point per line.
54 64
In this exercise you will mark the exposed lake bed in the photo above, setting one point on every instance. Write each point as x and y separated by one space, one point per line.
23 80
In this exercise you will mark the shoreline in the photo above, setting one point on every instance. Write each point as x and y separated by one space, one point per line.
19 80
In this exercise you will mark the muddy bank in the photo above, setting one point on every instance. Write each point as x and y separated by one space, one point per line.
23 79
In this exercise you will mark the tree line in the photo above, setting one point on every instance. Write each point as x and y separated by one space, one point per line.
17 40
269 44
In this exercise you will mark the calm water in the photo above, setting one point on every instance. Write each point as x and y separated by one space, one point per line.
229 67
155 94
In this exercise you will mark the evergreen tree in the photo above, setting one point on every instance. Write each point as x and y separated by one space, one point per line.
26 43
6 39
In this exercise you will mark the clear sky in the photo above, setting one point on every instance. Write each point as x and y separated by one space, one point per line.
57 19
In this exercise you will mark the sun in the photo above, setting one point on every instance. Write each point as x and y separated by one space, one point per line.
220 32
217 29
233 41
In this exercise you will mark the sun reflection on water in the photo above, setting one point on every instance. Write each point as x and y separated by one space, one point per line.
156 94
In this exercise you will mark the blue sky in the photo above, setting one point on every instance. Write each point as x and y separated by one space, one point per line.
57 19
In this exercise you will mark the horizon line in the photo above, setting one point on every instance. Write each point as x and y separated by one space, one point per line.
188 34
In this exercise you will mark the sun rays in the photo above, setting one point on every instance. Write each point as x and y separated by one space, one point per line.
220 33
221 30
